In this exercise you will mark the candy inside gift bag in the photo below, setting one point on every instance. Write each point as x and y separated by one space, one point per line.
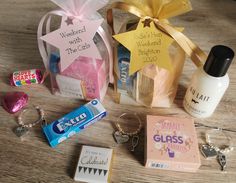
79 53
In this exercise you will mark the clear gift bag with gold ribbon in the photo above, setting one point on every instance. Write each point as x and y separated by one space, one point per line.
149 53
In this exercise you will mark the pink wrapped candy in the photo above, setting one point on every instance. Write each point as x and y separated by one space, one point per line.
27 77
14 101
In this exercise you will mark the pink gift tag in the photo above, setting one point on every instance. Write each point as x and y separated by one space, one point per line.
75 39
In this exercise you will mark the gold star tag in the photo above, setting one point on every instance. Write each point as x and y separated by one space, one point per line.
148 45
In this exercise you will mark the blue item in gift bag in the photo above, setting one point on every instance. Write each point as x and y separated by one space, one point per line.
53 63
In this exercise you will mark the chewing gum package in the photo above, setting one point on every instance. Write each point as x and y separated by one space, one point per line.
74 122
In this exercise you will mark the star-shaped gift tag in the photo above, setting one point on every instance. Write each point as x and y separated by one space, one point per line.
74 39
148 45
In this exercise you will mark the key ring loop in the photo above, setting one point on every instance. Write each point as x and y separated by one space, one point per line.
120 129
30 125
227 148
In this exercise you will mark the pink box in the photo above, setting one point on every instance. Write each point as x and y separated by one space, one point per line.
93 75
171 144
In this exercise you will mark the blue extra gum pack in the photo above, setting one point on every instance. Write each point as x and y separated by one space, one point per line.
74 122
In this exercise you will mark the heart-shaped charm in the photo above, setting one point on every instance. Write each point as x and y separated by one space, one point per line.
20 131
208 151
14 101
120 138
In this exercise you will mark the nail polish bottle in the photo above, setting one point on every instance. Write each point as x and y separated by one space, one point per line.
209 83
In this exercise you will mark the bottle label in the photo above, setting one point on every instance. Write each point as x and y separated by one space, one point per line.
198 103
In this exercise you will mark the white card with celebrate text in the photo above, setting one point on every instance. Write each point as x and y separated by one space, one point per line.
94 165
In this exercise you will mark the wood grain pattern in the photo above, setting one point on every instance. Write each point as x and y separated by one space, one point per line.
32 160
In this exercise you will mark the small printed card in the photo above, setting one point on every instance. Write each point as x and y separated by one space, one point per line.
171 144
69 86
94 165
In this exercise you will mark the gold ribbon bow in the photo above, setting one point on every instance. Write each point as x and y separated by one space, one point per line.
158 11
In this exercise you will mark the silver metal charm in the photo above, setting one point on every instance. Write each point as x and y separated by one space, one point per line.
20 131
208 151
23 128
222 160
120 138
135 141
43 122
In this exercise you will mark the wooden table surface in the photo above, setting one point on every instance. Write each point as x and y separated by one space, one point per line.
32 160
